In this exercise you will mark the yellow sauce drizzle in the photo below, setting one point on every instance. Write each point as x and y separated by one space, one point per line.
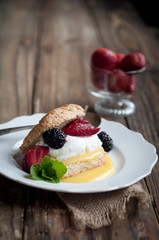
86 157
98 173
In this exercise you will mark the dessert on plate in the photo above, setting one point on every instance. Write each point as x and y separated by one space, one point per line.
63 145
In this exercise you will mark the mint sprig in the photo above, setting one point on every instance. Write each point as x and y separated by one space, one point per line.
48 170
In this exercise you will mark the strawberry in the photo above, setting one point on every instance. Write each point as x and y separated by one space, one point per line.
120 57
34 156
25 165
118 80
99 77
133 61
131 85
81 128
104 58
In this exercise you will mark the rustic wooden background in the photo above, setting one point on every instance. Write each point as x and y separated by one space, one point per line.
45 49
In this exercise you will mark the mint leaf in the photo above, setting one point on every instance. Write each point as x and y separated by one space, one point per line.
35 172
48 170
59 168
48 177
46 163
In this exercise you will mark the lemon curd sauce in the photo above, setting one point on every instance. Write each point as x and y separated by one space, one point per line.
95 174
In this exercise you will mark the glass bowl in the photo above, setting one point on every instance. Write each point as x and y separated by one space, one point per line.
115 89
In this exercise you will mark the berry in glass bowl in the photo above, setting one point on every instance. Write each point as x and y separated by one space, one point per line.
113 80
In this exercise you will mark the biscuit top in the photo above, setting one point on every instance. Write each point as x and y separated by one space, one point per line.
56 118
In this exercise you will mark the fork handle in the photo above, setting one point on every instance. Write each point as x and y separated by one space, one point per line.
14 129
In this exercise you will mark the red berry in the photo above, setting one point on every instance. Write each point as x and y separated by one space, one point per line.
25 165
120 57
131 85
104 58
133 61
99 77
117 82
80 127
34 156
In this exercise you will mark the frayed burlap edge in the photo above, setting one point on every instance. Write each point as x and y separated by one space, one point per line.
99 209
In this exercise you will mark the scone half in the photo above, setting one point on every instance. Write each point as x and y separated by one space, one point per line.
56 118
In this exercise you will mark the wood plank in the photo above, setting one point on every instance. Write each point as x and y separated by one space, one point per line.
12 203
17 49
48 218
148 120
129 37
60 72
138 224
140 38
7 59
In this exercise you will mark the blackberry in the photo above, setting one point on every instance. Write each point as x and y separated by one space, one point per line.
54 137
107 142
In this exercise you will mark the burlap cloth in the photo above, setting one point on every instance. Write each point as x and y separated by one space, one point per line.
99 209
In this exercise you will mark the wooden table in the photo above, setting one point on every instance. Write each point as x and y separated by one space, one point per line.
45 48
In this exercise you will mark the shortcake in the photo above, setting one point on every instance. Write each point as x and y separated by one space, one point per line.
64 136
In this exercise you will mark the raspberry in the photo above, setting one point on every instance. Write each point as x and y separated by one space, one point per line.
54 137
81 128
107 142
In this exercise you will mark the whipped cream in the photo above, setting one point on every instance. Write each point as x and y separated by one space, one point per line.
75 146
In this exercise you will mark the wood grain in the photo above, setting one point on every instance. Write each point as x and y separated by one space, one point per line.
62 57
45 49
12 205
144 111
18 49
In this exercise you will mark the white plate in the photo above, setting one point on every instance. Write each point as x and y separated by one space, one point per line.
132 155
